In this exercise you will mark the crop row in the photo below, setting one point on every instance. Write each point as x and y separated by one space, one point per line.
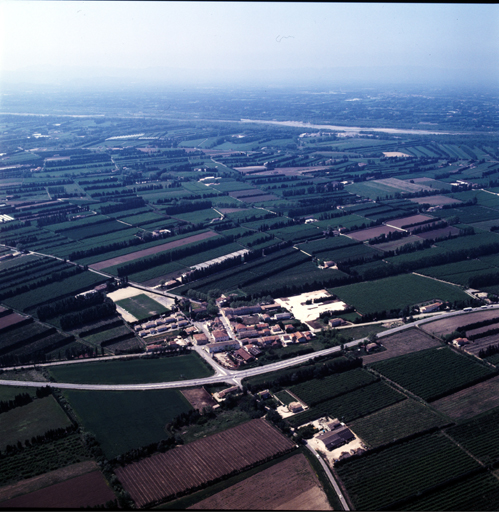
398 472
352 405
433 373
192 465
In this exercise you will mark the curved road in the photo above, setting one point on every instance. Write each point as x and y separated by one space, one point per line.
221 375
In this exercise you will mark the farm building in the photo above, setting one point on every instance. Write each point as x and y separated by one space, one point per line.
430 307
282 316
295 407
336 322
222 394
371 346
336 438
459 342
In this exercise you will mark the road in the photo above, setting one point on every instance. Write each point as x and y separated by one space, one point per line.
221 374
326 469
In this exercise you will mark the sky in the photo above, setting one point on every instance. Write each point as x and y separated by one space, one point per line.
45 37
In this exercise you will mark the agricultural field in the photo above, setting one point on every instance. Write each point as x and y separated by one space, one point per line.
164 475
351 405
406 342
433 373
390 477
289 485
396 422
396 293
122 421
440 328
470 402
136 371
31 420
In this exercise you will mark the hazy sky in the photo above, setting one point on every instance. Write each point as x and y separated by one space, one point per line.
239 35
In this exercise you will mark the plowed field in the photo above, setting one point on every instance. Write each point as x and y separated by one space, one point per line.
189 466
152 250
289 485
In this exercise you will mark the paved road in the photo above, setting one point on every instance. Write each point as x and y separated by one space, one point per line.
222 374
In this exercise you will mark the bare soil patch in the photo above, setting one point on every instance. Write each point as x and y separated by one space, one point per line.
152 250
398 223
366 234
391 246
447 325
470 401
405 342
52 477
435 200
395 153
199 398
87 490
289 485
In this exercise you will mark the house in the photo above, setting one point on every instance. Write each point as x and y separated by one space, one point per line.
371 346
200 339
329 264
282 316
245 356
228 391
336 322
336 438
265 394
254 351
219 336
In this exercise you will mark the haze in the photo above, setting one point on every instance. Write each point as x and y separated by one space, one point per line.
252 43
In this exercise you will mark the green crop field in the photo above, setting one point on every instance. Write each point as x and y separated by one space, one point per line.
403 471
319 390
122 421
433 373
31 420
352 405
395 422
137 371
396 293
480 436
142 306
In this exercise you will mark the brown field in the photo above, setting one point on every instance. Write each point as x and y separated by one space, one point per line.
447 325
437 233
259 199
199 398
190 466
403 185
88 490
391 246
152 250
482 343
398 223
366 234
289 485
434 200
12 319
232 210
405 342
470 401
52 477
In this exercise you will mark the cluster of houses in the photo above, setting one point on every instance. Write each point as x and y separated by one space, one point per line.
161 325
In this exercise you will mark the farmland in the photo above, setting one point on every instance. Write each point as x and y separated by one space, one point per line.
123 421
398 473
164 475
433 373
156 187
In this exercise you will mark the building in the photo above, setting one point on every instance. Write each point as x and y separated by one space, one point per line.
336 322
430 307
295 407
243 355
282 316
336 438
459 342
200 339
212 348
219 336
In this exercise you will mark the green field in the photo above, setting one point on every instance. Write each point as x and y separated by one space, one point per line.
395 422
136 371
31 420
124 420
433 373
142 306
396 293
